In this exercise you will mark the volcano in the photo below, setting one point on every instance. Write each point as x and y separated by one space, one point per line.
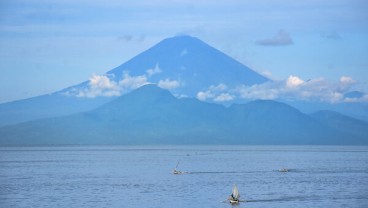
184 65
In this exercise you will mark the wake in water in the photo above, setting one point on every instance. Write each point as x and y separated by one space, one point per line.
291 198
216 172
234 172
283 199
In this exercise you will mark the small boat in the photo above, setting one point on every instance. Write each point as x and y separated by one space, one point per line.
177 172
234 201
234 197
284 170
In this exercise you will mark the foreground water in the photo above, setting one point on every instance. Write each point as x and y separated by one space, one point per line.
140 176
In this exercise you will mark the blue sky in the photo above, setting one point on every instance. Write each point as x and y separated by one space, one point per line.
49 45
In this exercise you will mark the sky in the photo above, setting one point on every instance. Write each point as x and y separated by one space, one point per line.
46 46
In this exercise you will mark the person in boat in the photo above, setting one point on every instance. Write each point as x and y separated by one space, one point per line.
234 197
284 170
177 171
233 200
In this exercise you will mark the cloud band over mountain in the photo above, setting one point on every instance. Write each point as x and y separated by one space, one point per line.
292 88
105 85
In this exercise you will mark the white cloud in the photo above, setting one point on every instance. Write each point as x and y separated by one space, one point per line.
102 82
294 88
218 88
105 85
204 95
346 83
154 71
169 84
132 82
215 92
223 97
347 80
99 85
102 85
266 91
294 82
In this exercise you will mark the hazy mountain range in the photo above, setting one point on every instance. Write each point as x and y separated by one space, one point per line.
151 115
180 91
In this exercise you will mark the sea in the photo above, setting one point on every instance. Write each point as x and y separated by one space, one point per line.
141 176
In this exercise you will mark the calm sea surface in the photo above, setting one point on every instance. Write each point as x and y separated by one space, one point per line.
140 176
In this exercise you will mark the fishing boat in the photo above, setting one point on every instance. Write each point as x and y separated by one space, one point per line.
177 172
234 197
284 170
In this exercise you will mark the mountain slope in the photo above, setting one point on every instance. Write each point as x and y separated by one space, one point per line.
343 123
358 110
151 115
46 106
271 122
192 62
148 115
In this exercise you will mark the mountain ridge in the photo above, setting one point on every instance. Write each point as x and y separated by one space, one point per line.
162 118
342 122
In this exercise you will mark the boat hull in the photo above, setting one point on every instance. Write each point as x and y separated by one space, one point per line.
234 201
